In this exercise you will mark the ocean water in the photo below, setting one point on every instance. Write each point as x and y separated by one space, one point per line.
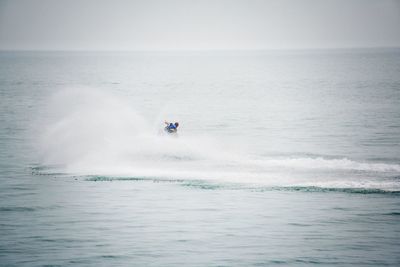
287 158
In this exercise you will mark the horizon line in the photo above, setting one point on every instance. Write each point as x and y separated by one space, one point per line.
200 50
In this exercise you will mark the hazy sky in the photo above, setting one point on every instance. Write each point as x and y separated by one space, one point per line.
199 24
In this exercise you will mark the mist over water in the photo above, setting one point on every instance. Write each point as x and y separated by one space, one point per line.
94 132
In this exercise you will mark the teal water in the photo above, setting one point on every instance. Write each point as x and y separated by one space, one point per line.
283 158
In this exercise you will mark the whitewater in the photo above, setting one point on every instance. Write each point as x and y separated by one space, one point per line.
92 132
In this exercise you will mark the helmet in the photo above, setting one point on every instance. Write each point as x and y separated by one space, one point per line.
176 124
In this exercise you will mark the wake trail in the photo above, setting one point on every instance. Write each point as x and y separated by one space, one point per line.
92 132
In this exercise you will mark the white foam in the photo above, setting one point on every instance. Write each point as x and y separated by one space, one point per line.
92 129
332 164
93 132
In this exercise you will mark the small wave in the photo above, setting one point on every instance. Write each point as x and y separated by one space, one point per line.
342 190
392 214
17 209
332 164
99 178
213 185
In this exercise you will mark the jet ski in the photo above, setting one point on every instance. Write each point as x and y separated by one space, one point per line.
170 131
171 128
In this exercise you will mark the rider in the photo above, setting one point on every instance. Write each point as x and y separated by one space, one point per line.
171 127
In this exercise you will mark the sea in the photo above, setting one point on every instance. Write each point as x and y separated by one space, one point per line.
282 158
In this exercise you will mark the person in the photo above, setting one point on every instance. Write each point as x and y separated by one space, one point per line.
171 127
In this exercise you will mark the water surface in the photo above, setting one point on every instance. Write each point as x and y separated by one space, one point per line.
283 158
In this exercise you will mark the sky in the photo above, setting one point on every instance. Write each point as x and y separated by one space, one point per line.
197 24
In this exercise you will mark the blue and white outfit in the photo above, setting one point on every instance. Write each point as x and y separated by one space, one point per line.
171 128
